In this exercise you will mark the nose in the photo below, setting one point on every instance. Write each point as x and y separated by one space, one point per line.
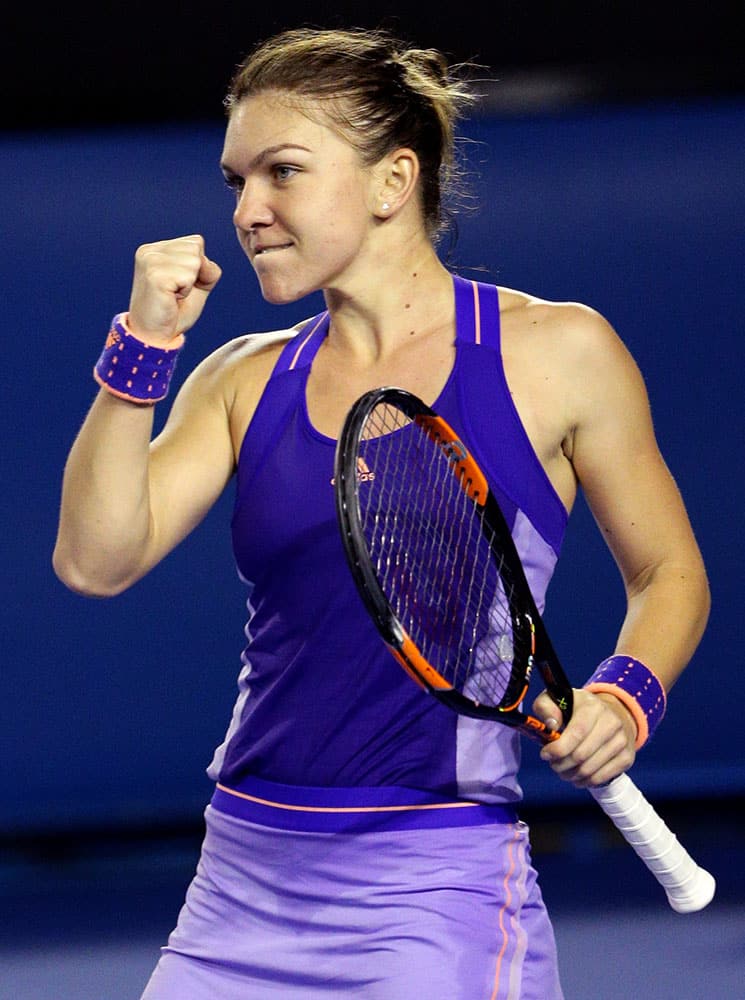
252 208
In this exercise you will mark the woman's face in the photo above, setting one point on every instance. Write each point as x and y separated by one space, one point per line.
304 201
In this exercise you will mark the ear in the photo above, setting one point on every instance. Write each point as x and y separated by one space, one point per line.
395 181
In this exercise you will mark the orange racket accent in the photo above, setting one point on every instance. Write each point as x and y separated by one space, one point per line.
403 662
414 663
529 670
469 475
549 735
516 702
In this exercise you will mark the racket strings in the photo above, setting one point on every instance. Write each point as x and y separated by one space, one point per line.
434 562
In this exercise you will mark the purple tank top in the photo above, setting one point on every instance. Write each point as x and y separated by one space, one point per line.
321 701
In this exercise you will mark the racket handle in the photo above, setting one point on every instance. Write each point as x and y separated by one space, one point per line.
688 886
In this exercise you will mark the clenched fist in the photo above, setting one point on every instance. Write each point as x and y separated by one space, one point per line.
172 280
598 742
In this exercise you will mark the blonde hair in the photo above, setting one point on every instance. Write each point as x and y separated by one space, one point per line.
378 93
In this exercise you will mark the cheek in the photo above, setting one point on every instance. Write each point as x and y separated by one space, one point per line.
346 217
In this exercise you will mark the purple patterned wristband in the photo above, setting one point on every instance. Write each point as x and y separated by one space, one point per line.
637 687
133 370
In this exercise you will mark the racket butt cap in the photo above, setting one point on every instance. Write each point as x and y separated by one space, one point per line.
697 896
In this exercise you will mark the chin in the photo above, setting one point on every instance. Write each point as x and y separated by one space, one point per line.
281 297
282 294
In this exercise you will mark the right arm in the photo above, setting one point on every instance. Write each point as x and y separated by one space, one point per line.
127 501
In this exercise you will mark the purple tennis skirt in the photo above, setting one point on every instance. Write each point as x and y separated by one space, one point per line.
380 893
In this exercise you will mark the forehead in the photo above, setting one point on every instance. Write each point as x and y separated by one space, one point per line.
272 119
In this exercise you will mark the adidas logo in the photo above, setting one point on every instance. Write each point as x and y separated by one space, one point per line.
364 473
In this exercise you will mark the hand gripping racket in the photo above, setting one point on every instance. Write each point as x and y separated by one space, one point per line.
437 569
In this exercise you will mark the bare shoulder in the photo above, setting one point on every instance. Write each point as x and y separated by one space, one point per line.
238 368
577 324
574 338
241 354
229 382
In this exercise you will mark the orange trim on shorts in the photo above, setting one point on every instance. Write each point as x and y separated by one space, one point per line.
505 905
347 809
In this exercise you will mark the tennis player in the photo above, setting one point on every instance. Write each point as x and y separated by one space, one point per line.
362 839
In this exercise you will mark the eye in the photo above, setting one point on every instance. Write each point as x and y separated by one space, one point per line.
234 183
283 171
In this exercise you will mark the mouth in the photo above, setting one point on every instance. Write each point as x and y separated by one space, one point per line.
263 251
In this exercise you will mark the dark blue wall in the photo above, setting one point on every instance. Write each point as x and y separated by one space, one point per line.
111 709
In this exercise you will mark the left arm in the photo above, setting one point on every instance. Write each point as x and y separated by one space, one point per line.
638 508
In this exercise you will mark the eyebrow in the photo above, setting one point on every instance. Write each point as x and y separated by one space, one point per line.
264 155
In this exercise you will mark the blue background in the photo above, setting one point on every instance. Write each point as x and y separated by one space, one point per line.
111 709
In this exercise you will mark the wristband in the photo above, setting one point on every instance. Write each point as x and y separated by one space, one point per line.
133 370
637 687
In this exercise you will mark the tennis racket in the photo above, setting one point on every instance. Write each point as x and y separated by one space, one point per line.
436 566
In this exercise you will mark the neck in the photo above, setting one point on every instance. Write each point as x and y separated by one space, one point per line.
408 294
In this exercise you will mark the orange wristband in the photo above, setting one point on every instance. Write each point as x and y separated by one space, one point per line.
637 687
133 370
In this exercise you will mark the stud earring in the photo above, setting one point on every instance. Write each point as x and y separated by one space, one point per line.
385 206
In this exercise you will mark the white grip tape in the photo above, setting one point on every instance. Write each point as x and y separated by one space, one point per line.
688 886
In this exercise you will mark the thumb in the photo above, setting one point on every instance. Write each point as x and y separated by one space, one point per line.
546 709
208 276
191 305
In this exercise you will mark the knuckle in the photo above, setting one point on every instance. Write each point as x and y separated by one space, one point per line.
580 727
141 253
622 748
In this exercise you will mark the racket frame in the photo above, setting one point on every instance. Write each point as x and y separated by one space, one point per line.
523 611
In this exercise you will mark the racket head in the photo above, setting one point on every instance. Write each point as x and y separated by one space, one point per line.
435 564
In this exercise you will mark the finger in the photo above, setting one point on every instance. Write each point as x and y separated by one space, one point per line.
579 740
172 281
546 709
597 770
170 267
593 751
